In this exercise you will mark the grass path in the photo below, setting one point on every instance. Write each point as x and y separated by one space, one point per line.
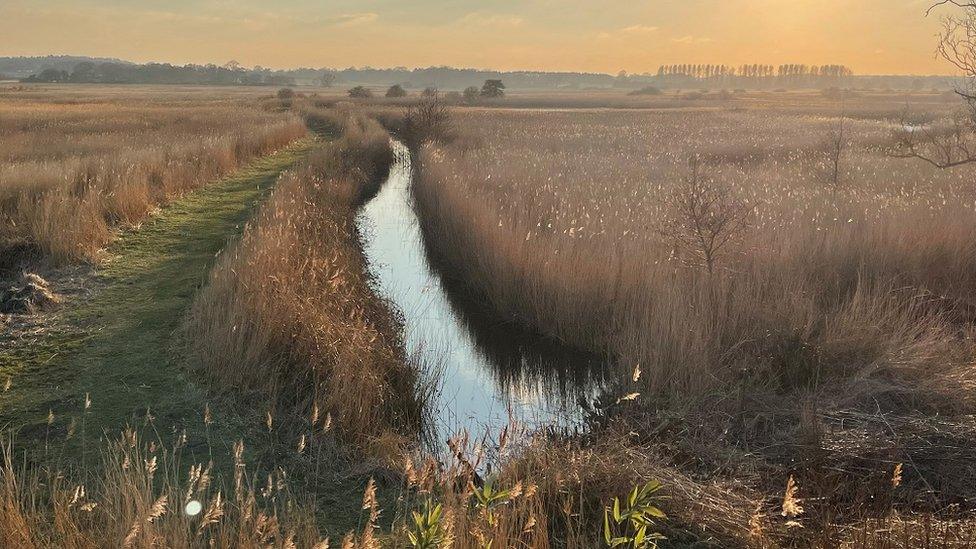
120 346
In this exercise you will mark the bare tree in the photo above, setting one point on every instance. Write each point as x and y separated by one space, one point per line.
951 142
705 216
836 145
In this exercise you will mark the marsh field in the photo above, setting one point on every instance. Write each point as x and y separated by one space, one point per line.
239 318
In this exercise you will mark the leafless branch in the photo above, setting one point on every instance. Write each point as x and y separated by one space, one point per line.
950 143
835 145
946 145
958 3
706 217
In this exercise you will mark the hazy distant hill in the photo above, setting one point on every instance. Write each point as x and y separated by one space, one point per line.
22 67
82 69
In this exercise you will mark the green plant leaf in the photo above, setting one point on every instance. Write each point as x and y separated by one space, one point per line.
655 512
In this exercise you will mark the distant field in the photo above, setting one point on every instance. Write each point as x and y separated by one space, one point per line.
858 103
76 161
603 176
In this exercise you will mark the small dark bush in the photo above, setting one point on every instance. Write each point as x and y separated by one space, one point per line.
649 90
360 92
396 90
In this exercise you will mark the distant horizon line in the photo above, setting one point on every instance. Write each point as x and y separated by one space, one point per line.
460 68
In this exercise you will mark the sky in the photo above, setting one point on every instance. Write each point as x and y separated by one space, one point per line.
870 36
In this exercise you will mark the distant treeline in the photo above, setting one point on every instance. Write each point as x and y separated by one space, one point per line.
21 67
679 76
234 74
786 74
162 73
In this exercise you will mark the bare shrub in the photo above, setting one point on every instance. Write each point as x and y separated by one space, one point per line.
706 217
428 121
835 145
951 142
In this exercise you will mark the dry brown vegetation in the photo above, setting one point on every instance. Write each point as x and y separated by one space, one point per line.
139 496
288 320
74 166
829 340
792 328
289 313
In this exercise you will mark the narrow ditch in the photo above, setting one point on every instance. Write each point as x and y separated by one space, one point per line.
489 373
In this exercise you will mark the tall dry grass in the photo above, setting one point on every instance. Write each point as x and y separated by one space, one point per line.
539 491
289 314
853 299
572 239
149 493
544 493
71 171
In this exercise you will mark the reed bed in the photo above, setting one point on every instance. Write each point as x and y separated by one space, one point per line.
567 234
847 294
147 492
809 388
539 492
73 169
289 314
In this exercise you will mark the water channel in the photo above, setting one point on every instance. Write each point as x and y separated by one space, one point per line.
489 371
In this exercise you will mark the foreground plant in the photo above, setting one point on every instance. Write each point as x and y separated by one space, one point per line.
427 530
631 525
488 499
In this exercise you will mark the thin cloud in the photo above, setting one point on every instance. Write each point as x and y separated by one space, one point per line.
482 19
626 32
639 29
354 19
689 39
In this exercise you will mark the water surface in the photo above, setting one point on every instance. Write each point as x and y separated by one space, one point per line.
488 369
